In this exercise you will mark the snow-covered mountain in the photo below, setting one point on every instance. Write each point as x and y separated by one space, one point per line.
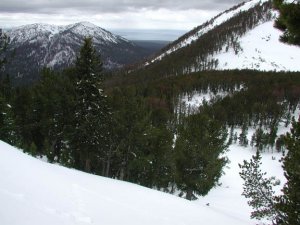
242 37
42 45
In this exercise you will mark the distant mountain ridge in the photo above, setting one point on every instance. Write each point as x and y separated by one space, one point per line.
242 37
42 45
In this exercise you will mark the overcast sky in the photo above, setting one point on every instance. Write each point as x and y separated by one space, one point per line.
113 14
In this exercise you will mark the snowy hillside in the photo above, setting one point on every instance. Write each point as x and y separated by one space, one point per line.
33 192
261 49
242 37
223 17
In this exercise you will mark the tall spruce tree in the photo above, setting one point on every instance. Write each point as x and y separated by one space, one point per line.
90 139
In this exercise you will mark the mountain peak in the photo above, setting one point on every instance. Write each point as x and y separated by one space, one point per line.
38 45
86 24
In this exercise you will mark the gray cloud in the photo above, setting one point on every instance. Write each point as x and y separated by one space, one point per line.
109 6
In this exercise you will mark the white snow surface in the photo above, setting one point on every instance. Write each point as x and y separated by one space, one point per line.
262 50
33 192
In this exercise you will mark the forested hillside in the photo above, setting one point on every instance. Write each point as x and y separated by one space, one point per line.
242 37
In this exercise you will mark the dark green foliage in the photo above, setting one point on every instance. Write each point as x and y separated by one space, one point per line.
3 47
201 141
8 128
288 21
55 95
142 146
289 203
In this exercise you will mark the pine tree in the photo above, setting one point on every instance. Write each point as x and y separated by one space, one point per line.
91 135
259 189
201 140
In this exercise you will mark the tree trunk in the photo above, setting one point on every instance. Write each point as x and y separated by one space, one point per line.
189 194
87 165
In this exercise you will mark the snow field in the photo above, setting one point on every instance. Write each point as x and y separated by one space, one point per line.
33 192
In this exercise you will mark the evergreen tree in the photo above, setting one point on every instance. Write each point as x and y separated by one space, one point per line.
243 139
201 140
56 93
7 124
90 139
3 47
289 202
259 189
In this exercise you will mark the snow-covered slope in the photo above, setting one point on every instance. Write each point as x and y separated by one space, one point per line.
261 49
242 37
221 18
33 192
